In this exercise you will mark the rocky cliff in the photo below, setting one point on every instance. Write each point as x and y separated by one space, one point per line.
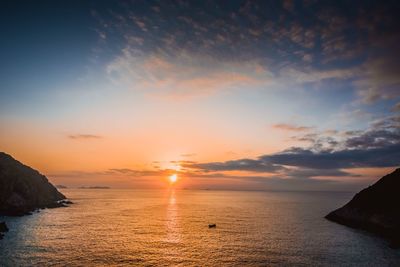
375 209
23 189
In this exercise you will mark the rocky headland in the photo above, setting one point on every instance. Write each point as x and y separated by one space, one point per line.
23 189
375 209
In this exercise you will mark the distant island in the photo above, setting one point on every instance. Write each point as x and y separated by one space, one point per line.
60 186
23 189
94 187
375 209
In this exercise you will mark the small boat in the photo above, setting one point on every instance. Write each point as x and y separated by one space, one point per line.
212 225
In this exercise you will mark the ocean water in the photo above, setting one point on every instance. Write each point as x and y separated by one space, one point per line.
170 228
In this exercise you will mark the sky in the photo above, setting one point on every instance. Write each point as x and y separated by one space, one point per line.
241 95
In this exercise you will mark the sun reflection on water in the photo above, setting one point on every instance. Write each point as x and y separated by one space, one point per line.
172 219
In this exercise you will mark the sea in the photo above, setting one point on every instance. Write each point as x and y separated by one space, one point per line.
110 227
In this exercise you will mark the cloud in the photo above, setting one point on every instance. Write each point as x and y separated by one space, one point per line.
381 79
376 147
374 139
139 23
309 162
139 172
304 173
288 5
181 77
396 107
236 165
290 127
200 52
355 158
84 136
188 155
328 162
310 75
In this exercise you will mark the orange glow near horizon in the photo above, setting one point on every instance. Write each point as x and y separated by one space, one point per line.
173 178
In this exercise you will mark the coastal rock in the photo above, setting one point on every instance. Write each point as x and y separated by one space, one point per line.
3 227
375 209
23 189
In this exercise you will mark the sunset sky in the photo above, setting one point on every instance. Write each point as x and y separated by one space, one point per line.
257 95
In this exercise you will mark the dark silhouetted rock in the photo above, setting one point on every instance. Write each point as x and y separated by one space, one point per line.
375 209
3 227
23 189
56 205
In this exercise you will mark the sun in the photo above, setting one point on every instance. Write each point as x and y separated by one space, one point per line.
173 178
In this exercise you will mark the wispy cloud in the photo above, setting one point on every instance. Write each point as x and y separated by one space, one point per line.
183 76
84 136
396 107
236 165
291 127
199 53
188 155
